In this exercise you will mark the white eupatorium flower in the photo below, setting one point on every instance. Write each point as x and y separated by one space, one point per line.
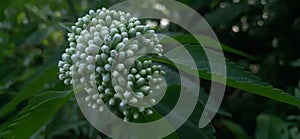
102 56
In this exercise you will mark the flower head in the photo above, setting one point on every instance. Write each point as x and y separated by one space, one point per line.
103 56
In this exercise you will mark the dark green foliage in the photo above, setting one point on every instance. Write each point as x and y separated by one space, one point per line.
260 43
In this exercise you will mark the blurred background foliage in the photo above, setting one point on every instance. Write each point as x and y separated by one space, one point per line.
263 33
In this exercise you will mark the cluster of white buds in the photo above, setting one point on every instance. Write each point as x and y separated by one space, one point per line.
103 52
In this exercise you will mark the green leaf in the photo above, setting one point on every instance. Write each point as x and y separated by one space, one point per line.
190 127
46 74
173 78
39 110
206 42
236 129
270 127
43 77
155 116
237 77
60 127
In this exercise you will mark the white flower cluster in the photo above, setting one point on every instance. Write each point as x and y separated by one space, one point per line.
104 46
